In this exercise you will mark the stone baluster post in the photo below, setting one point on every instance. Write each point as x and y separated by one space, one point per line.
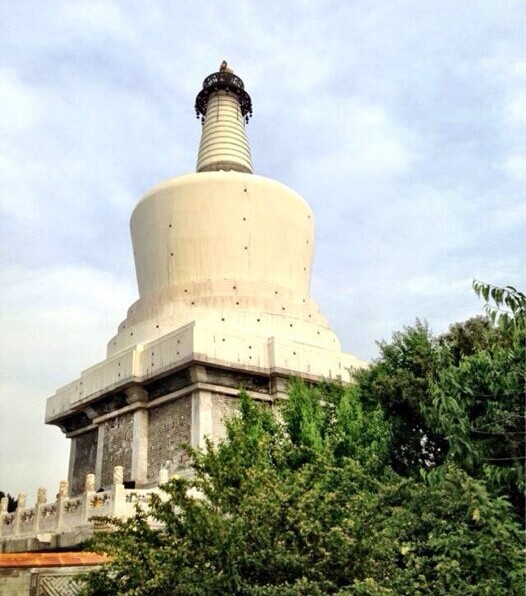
118 489
20 505
3 511
87 495
118 475
163 476
41 501
63 489
21 501
63 493
41 496
89 485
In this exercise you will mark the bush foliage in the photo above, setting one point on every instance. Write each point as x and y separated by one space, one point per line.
407 481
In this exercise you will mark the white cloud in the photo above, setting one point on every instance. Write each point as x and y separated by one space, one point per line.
515 166
88 17
55 323
432 285
14 182
517 109
508 217
20 111
350 143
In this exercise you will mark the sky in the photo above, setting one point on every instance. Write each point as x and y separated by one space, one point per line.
402 123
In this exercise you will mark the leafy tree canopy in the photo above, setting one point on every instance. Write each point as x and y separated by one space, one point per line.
379 487
458 397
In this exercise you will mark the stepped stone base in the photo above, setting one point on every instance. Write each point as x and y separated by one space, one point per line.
138 408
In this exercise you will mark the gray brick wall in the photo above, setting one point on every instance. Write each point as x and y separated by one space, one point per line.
117 447
222 405
169 427
84 461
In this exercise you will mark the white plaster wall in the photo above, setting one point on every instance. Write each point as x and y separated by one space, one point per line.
241 350
222 226
227 249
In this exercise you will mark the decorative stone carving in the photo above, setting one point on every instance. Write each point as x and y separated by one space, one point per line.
8 519
48 511
41 496
110 404
90 412
27 516
75 422
118 475
59 584
3 504
99 500
136 394
89 485
134 497
72 505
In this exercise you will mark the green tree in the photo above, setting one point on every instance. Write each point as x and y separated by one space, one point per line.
466 338
400 380
407 481
478 399
305 502
458 397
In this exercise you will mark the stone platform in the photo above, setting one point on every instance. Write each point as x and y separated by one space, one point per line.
137 408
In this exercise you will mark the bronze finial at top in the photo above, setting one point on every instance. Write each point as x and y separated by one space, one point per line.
224 67
223 80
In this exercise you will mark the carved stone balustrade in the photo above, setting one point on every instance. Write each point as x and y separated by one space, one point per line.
68 521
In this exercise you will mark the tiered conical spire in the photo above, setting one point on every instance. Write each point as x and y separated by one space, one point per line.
224 107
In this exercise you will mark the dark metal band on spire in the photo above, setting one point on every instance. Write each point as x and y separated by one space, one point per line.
223 81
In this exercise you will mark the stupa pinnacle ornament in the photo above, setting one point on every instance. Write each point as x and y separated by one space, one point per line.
224 108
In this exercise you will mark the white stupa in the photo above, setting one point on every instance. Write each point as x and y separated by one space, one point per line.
223 260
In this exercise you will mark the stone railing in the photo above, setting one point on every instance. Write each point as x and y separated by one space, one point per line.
71 515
